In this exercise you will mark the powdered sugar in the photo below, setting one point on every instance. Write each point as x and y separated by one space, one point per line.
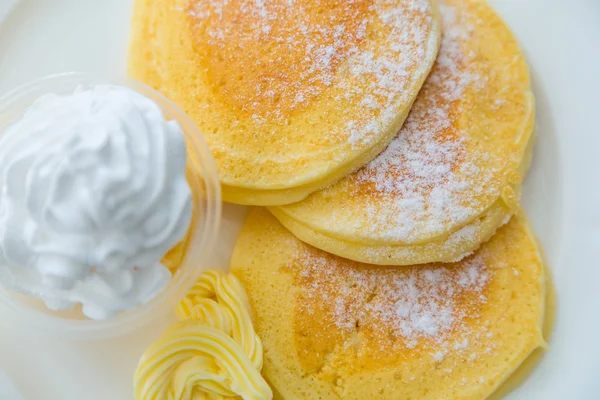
385 77
297 50
419 178
411 303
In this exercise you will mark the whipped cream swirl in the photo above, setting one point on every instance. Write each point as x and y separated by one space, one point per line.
93 194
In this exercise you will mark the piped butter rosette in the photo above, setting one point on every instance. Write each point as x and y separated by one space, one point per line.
213 353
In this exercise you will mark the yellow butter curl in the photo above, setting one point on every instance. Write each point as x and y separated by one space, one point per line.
213 353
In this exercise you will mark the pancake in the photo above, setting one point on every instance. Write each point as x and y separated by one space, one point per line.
334 328
290 95
452 175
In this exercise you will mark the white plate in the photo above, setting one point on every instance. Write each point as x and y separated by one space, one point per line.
562 194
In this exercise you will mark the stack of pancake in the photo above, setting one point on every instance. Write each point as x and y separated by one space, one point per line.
390 138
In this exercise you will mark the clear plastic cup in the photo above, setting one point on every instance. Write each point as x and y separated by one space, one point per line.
203 180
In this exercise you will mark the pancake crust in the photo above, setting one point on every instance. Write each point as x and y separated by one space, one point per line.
334 328
290 95
452 175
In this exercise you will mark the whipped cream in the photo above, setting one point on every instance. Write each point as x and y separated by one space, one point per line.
93 194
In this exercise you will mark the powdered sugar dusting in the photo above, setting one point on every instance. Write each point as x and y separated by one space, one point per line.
411 303
385 77
419 178
283 30
294 51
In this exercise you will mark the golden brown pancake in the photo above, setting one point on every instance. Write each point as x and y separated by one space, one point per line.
452 175
291 95
334 328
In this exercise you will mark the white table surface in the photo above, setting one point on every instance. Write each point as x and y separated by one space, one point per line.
562 194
